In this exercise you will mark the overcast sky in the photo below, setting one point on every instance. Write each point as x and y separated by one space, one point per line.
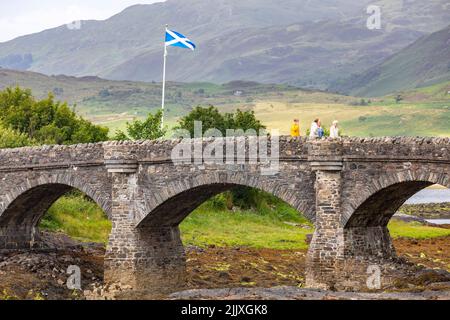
21 17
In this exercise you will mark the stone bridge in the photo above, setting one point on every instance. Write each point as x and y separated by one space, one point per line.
349 188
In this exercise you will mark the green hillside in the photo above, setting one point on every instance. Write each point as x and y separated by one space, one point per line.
112 103
439 92
424 111
425 62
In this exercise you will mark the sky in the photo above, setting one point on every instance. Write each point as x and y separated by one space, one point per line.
21 17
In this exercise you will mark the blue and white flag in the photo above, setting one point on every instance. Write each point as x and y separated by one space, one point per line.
176 39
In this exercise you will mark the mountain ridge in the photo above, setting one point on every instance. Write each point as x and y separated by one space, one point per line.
304 43
423 63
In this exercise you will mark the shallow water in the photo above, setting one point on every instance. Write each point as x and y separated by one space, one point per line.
430 196
438 221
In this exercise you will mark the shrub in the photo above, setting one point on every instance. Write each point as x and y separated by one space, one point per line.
12 139
46 121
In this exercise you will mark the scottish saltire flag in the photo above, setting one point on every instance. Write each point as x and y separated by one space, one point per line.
176 39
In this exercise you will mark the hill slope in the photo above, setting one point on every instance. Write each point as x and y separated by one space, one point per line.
423 63
114 102
423 111
301 42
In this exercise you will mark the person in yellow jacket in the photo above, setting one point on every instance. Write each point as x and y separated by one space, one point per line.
295 129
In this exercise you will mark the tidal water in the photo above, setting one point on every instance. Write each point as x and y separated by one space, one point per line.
438 221
432 196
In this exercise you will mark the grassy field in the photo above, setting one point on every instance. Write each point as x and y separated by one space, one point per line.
79 218
414 230
377 119
280 228
423 111
207 226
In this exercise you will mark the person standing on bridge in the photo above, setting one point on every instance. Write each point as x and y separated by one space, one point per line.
320 131
295 129
334 130
314 131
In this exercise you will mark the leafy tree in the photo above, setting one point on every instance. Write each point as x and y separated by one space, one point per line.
120 136
244 120
149 129
50 134
15 106
12 139
46 121
211 118
88 132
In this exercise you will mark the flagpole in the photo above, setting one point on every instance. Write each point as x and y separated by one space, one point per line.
164 81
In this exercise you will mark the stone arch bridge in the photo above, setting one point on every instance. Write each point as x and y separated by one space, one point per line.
349 187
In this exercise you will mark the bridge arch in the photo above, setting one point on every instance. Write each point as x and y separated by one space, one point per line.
149 252
172 204
22 207
383 196
363 239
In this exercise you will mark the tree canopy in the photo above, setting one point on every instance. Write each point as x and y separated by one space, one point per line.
12 139
45 121
149 129
211 118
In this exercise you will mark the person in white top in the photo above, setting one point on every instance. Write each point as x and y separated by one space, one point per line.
314 129
334 130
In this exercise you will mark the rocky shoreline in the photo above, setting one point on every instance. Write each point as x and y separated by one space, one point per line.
42 274
427 211
295 293
214 273
226 273
410 218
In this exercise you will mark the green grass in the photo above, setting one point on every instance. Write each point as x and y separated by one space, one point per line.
438 91
403 119
423 111
381 118
401 229
271 227
84 220
205 227
79 218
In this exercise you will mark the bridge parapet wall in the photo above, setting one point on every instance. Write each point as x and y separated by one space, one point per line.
51 155
409 148
435 149
161 150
